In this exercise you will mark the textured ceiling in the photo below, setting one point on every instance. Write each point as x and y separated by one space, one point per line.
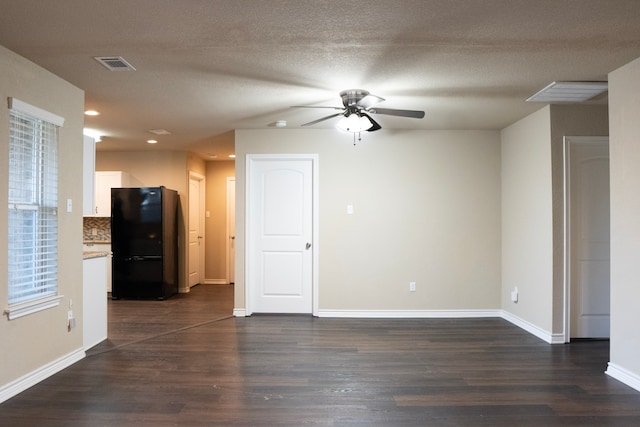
206 67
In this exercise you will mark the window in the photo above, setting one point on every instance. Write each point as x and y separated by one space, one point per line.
33 209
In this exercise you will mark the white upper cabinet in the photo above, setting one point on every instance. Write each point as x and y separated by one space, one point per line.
88 170
105 181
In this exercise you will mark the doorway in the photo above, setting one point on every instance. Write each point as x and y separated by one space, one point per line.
231 229
196 229
587 222
281 234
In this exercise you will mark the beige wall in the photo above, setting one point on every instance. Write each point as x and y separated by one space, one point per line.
567 120
156 168
33 341
533 210
624 87
216 238
527 237
426 209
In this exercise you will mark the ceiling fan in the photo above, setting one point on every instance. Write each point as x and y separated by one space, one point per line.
358 106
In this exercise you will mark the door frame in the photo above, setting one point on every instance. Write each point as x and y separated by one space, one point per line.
230 247
566 153
201 225
249 161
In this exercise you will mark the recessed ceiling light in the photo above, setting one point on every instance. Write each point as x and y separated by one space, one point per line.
91 113
152 141
569 92
232 156
281 123
212 156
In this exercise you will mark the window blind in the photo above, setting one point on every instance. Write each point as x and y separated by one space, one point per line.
33 204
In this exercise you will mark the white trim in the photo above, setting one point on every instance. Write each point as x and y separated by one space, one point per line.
7 391
624 376
39 113
240 312
216 282
533 329
404 314
453 314
18 310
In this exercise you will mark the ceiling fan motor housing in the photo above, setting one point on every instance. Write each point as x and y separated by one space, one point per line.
351 97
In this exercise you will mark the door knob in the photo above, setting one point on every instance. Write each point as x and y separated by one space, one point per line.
307 246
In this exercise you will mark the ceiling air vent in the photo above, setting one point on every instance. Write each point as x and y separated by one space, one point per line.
114 63
569 92
159 132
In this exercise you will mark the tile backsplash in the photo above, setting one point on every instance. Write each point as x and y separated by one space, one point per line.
102 227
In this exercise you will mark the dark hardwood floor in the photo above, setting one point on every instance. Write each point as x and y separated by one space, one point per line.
186 362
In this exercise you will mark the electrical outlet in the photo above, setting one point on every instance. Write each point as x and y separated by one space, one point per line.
69 314
514 295
412 286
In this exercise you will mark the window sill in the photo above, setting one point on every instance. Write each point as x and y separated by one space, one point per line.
24 309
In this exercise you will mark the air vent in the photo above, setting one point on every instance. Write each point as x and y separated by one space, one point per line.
114 63
569 92
159 132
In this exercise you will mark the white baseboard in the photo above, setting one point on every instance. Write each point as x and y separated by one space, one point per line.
533 329
216 282
624 376
426 314
403 314
239 312
13 388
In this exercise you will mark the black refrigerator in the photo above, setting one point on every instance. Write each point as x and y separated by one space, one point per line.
144 242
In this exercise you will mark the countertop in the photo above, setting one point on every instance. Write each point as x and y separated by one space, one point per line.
96 242
94 254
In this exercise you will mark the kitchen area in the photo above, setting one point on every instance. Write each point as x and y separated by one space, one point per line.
104 170
96 245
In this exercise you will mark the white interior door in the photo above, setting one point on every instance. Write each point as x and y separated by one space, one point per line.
196 229
280 234
589 238
231 229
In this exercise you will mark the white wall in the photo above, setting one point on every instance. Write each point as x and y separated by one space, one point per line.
624 147
527 226
426 209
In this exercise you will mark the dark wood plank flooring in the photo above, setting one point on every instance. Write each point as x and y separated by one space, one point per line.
186 362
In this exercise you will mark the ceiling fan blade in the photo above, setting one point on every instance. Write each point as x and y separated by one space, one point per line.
376 125
401 113
316 106
322 119
369 101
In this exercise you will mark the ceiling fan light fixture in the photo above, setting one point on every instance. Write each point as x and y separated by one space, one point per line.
354 123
